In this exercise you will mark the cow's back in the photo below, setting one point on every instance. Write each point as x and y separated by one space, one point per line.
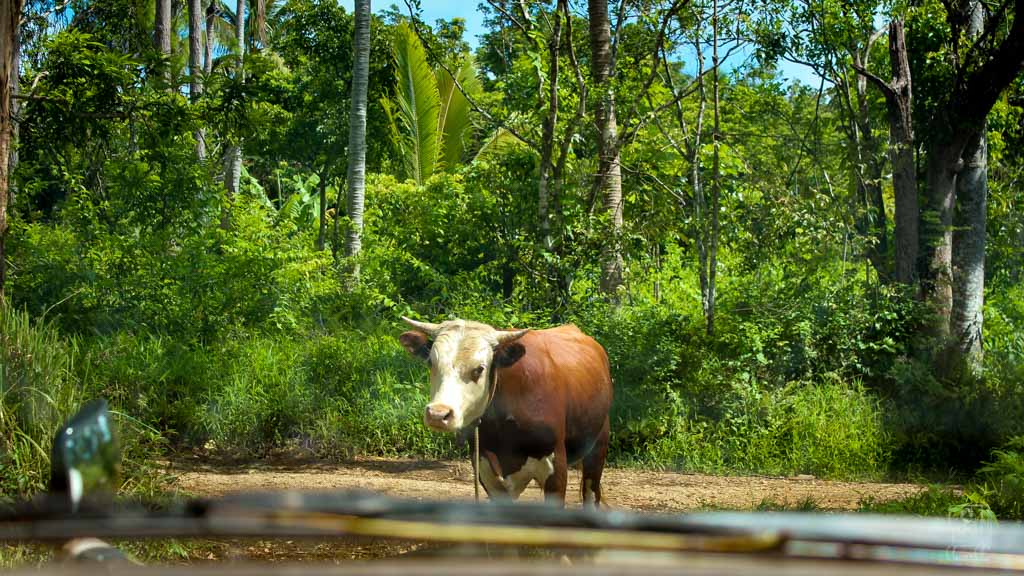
563 379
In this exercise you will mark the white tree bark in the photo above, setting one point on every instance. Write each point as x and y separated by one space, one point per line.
357 133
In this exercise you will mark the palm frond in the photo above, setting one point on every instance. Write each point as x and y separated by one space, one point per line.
417 103
499 141
393 122
455 114
259 22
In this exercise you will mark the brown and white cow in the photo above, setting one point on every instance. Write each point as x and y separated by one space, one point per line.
541 398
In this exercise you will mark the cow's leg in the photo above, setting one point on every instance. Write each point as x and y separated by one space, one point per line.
554 487
493 483
593 466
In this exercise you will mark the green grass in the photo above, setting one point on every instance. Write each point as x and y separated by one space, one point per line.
41 386
357 392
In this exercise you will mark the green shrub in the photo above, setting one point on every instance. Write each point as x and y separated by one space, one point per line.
934 500
1002 480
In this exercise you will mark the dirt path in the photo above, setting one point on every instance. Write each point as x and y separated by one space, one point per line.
623 488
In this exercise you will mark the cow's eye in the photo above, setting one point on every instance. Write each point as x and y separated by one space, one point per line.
477 372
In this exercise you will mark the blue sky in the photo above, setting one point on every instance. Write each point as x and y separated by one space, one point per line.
467 10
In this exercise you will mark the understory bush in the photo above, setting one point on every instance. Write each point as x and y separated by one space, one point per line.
243 339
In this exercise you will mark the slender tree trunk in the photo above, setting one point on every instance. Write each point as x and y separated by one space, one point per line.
872 223
716 184
357 133
321 237
699 201
12 162
901 155
609 177
162 33
195 87
211 18
10 21
548 134
233 154
566 274
969 236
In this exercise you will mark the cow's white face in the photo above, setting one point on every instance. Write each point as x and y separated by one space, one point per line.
461 355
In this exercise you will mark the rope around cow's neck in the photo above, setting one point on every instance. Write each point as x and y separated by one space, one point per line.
476 462
493 385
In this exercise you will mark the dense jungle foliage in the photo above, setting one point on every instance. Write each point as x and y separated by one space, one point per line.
757 323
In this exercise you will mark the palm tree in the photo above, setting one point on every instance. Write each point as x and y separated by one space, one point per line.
430 117
609 178
195 33
233 155
357 132
163 31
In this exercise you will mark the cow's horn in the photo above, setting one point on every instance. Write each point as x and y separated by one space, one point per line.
430 329
506 336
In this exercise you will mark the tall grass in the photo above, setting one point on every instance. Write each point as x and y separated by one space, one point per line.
36 393
40 388
358 392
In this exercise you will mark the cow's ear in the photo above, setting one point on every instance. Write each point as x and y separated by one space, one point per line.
508 354
416 343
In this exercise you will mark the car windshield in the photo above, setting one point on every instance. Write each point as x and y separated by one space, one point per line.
702 284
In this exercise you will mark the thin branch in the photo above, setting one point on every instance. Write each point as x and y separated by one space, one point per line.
620 17
877 81
664 132
802 145
871 41
681 198
690 89
35 82
990 28
521 4
508 15
581 108
676 6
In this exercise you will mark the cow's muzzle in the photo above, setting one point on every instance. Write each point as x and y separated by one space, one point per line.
439 417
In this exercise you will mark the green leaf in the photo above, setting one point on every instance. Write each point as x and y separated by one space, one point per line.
454 115
418 103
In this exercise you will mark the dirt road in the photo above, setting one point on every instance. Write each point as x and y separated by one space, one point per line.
623 488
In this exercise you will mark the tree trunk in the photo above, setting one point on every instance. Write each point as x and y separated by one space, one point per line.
609 177
10 21
957 154
162 33
936 247
357 133
195 87
969 253
872 222
233 165
699 202
321 237
969 235
547 144
12 162
211 19
716 185
901 155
